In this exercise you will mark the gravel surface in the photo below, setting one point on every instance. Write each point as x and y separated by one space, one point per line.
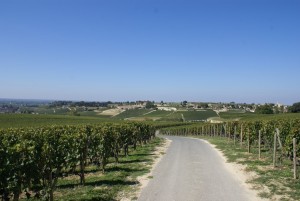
193 170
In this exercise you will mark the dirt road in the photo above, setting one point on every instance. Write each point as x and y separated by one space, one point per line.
193 170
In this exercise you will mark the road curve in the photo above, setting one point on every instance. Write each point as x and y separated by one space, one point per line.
192 170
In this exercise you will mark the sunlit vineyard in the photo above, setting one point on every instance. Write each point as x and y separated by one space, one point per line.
247 132
32 159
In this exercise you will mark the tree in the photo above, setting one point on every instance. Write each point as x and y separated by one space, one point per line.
203 105
295 107
150 105
265 109
184 103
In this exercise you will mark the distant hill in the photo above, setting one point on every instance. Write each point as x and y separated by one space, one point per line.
26 101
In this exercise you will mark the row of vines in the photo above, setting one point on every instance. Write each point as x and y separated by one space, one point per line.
32 159
247 132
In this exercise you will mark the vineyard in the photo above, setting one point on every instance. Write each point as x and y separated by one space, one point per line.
269 148
248 131
33 159
30 120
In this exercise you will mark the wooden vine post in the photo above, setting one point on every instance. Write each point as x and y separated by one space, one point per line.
248 141
259 144
278 138
241 135
295 158
228 132
234 135
274 150
206 130
214 130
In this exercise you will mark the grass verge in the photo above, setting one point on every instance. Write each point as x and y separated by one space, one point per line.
279 180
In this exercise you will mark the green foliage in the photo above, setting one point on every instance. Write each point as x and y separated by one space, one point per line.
203 105
184 103
119 178
33 159
33 120
248 131
150 105
264 109
295 107
288 128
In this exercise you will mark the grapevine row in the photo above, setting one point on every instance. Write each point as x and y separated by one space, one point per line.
247 131
32 159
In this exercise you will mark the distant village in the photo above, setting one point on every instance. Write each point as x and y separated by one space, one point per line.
218 107
27 107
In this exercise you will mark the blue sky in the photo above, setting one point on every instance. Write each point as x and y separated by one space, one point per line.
171 50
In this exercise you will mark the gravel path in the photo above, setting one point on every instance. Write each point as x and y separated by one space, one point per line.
193 170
